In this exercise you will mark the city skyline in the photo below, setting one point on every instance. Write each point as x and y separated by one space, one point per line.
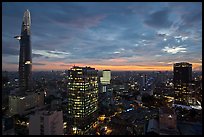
115 36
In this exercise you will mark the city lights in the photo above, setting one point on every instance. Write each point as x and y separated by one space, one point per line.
102 68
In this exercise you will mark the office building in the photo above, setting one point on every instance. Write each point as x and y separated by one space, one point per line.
106 77
105 81
46 123
182 79
142 82
82 98
25 57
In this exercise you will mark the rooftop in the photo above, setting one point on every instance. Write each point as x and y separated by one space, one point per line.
166 110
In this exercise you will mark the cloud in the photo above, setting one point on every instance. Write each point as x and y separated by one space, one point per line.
174 50
189 19
181 37
118 60
51 54
66 65
116 52
81 22
159 19
41 64
59 52
34 55
158 55
192 19
162 33
105 33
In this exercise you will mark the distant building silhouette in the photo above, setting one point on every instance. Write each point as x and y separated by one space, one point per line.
182 78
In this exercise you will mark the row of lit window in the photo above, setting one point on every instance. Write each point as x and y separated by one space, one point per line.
75 69
78 108
76 83
82 83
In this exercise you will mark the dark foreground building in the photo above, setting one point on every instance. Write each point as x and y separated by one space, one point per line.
182 79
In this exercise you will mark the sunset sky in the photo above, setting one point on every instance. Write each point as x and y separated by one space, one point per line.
115 36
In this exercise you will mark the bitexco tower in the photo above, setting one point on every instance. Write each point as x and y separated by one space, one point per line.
25 58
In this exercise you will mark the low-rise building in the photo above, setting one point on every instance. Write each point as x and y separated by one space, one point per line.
46 123
167 122
20 104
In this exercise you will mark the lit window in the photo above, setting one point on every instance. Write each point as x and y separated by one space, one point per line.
170 116
28 62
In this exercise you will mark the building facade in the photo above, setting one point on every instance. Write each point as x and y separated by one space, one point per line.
106 77
46 123
182 79
22 104
82 98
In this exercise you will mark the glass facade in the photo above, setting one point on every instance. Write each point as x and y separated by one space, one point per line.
106 77
82 97
25 58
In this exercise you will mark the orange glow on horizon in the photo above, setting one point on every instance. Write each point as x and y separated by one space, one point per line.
63 66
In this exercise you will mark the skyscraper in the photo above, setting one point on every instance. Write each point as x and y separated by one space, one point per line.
21 101
25 59
182 78
82 98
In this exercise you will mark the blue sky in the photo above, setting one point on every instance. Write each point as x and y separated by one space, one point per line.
117 35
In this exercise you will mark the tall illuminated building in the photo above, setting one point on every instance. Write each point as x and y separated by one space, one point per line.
106 77
82 98
105 80
182 79
24 100
25 59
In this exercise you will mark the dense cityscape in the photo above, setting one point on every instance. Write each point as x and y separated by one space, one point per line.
87 100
